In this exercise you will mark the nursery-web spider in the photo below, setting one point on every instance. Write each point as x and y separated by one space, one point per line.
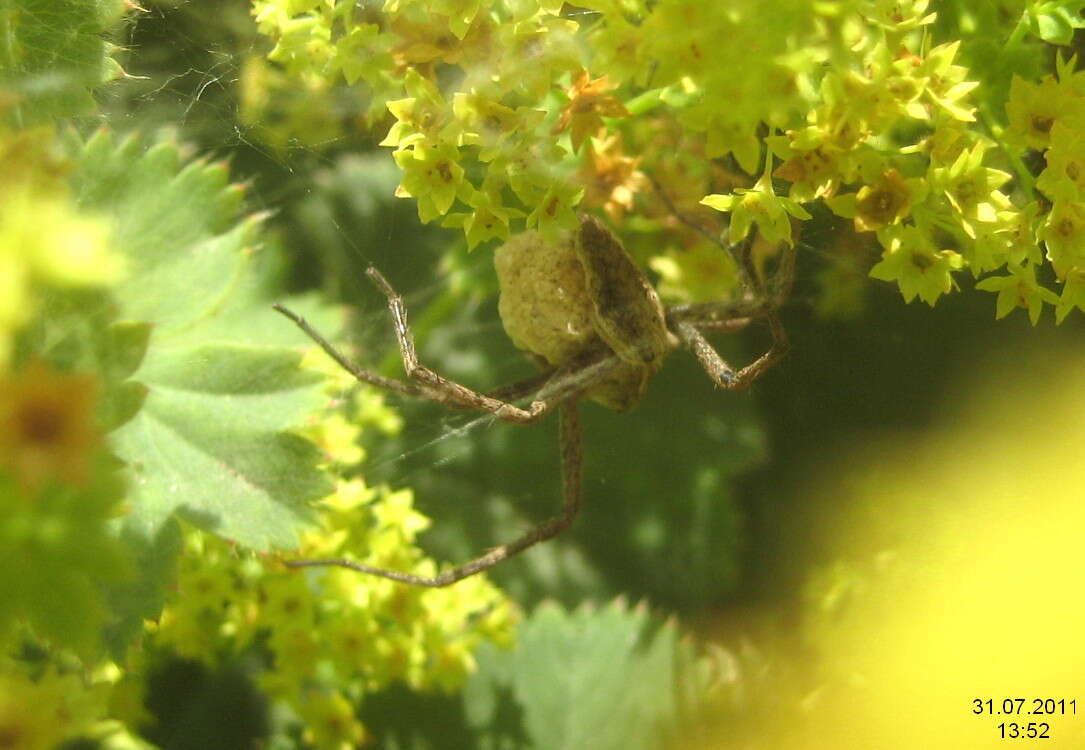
586 311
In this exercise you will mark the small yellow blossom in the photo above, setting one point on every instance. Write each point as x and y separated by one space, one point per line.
761 206
1073 294
40 714
1019 289
972 189
47 430
1064 178
330 721
911 260
431 175
1034 108
1064 235
882 203
812 166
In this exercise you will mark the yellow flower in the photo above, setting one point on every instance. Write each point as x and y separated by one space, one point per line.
761 206
491 125
489 220
432 175
1034 108
911 260
21 728
38 715
330 723
337 439
46 425
44 240
971 189
1073 294
396 511
811 165
1064 234
422 117
1019 289
882 203
59 245
371 411
1064 177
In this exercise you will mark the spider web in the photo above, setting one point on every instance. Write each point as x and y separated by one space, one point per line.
193 89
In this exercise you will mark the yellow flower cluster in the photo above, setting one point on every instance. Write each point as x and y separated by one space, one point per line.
508 114
509 54
1049 116
39 714
334 636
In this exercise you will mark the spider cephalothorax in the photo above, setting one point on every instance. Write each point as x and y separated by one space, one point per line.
583 308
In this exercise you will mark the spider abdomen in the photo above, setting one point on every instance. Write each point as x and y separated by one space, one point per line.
543 304
565 298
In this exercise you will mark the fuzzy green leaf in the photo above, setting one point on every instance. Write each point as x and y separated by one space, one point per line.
596 678
210 443
141 597
52 55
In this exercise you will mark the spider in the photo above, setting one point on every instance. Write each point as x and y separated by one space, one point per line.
586 313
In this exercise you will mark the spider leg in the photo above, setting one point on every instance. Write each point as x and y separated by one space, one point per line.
571 461
449 391
522 388
721 372
557 386
407 389
689 331
724 326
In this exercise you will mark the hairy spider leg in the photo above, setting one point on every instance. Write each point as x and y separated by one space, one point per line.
688 329
560 386
441 388
365 376
714 365
572 458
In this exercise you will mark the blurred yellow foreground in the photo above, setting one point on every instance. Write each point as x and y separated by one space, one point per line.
961 578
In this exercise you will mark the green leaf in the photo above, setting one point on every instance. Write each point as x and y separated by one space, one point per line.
142 596
596 678
1055 21
127 344
210 443
1053 28
52 55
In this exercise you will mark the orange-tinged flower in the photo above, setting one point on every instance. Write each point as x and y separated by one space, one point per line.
611 178
813 173
47 429
588 104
